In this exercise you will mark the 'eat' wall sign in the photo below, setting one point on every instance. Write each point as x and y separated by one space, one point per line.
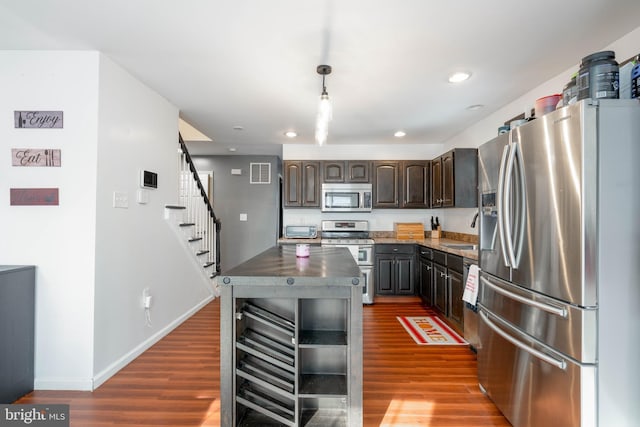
37 119
35 157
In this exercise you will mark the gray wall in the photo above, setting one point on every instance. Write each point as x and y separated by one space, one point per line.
234 195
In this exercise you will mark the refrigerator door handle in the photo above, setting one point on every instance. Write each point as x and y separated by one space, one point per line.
522 199
506 204
560 364
558 311
500 203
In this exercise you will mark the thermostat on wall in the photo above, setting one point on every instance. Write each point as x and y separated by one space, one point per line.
148 179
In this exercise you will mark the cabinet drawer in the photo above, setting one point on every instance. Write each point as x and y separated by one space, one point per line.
440 257
395 249
454 262
425 252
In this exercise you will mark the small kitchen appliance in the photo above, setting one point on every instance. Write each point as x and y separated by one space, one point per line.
300 231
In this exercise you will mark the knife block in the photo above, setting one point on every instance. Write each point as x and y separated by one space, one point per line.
435 234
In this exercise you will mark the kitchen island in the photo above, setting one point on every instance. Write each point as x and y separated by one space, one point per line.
291 340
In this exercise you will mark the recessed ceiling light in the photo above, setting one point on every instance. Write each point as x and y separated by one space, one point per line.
290 134
459 77
400 134
475 107
233 150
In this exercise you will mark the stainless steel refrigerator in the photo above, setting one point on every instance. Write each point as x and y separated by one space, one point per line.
559 296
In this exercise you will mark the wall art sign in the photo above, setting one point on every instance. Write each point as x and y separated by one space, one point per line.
34 197
38 119
35 157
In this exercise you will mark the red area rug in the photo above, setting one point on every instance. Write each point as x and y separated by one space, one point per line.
430 330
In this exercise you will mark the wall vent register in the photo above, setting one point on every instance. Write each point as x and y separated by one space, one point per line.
260 173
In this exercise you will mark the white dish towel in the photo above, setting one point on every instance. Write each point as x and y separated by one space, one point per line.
470 294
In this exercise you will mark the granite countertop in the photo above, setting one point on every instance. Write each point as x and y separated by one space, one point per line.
428 242
279 265
437 244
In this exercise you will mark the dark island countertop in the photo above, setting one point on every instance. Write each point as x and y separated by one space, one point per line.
279 265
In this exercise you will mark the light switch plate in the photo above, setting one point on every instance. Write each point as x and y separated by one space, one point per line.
120 200
243 217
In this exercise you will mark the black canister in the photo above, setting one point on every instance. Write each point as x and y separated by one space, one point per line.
635 79
598 77
570 91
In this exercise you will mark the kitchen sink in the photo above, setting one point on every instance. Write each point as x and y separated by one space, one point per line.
461 246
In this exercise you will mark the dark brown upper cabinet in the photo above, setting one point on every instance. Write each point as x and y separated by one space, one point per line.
454 179
386 184
401 184
416 178
358 171
345 171
333 171
301 185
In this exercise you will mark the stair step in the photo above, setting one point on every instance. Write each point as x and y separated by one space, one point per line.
174 207
202 252
187 224
195 239
207 264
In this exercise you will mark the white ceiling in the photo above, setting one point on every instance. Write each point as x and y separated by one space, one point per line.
252 63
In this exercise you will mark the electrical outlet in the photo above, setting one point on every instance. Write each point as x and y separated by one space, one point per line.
146 298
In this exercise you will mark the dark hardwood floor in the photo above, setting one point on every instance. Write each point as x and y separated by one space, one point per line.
176 382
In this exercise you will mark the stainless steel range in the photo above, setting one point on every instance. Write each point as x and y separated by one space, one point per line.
353 235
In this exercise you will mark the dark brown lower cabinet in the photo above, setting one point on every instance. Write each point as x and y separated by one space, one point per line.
394 269
440 288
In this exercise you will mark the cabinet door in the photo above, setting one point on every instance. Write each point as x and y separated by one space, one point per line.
456 305
448 188
311 184
415 184
292 183
358 171
426 282
404 276
333 171
440 293
386 185
436 183
385 275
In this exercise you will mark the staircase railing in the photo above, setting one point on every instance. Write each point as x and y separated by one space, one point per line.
199 211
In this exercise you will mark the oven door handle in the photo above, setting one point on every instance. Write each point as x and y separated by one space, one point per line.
560 364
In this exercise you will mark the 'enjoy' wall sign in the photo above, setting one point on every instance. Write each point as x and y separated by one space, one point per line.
38 119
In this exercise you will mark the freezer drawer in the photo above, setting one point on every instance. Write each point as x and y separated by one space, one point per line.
531 384
569 329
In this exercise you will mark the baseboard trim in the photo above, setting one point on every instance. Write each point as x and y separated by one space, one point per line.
63 384
112 369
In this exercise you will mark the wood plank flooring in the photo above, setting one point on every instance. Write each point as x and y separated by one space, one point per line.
176 382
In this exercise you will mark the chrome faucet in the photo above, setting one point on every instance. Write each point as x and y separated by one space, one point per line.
475 217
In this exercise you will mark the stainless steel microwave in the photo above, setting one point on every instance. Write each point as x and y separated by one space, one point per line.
346 197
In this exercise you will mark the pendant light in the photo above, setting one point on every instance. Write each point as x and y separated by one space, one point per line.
324 108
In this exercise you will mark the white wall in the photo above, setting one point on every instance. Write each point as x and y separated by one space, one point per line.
59 240
136 248
93 260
